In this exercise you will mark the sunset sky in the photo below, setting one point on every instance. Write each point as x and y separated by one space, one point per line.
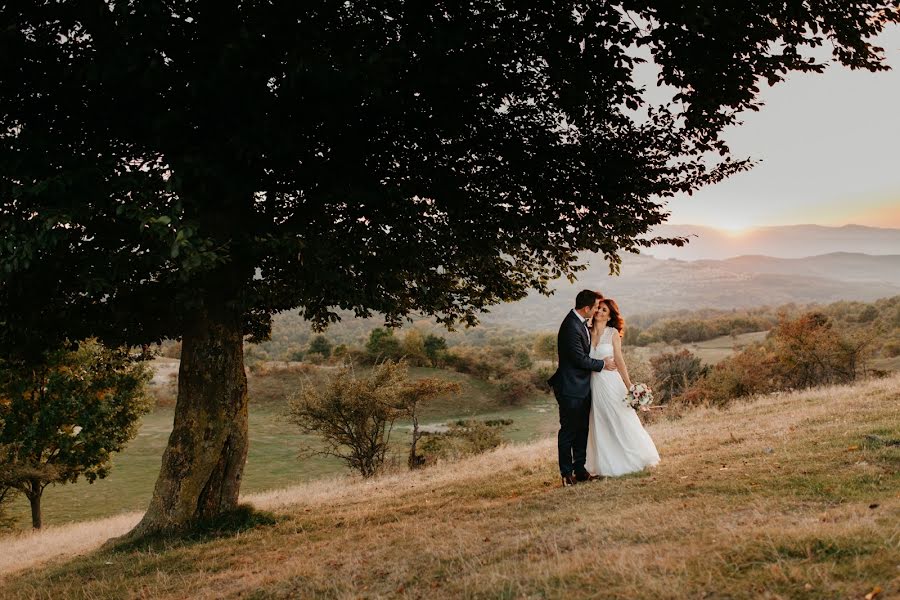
830 151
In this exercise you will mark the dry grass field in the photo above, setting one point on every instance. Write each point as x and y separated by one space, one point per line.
785 496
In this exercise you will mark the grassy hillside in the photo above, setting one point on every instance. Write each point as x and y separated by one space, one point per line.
274 443
788 496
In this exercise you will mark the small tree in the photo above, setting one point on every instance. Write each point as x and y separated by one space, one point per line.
414 348
320 345
413 395
810 351
545 347
353 415
63 419
435 349
383 345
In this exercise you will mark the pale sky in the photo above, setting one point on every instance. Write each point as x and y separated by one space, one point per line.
830 151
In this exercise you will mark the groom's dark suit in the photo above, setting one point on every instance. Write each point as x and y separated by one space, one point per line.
572 387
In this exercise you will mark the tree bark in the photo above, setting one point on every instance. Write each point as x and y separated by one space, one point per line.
203 464
414 462
34 498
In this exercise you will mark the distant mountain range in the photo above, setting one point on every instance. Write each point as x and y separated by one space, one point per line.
651 285
769 266
792 241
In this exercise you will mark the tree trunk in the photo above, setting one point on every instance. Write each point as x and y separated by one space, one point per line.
414 462
34 498
203 464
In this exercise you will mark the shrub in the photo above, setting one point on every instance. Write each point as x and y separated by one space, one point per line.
515 386
352 415
320 345
382 345
314 358
672 373
743 374
892 348
463 438
435 349
170 349
811 352
522 360
414 349
472 361
539 378
164 394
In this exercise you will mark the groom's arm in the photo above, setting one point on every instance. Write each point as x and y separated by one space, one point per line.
570 347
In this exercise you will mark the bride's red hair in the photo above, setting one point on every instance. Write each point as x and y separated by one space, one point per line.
616 320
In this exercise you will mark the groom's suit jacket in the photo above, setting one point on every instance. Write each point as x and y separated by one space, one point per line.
573 343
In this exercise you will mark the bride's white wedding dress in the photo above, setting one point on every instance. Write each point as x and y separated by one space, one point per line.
617 442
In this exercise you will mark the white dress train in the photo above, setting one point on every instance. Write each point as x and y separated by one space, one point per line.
617 442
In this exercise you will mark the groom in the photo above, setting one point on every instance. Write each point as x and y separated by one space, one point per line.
572 386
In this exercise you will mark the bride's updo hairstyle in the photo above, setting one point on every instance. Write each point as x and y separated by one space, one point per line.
616 320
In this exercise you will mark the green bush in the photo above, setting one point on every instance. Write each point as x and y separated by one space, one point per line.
320 345
383 345
463 438
435 349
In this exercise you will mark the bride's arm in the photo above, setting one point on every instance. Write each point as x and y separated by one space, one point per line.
620 359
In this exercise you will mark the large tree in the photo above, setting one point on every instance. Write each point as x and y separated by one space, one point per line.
186 168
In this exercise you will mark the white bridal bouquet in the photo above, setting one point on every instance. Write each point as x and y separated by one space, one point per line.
640 396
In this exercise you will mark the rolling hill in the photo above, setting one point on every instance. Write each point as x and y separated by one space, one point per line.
783 496
791 241
648 284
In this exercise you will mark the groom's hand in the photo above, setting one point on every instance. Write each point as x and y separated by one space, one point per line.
609 363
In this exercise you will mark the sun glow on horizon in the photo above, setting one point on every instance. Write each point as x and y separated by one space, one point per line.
731 228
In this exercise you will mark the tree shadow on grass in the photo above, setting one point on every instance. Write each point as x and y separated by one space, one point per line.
244 518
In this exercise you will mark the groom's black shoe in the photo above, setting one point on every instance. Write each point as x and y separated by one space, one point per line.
568 480
583 476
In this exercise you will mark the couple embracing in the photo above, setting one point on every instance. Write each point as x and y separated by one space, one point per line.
600 435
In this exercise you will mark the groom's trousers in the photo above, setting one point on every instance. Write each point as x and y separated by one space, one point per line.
574 416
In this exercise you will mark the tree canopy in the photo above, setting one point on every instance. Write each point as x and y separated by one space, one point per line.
461 155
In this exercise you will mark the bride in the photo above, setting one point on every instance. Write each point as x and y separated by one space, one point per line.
617 442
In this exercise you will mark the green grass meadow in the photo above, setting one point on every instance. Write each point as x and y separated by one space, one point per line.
273 460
